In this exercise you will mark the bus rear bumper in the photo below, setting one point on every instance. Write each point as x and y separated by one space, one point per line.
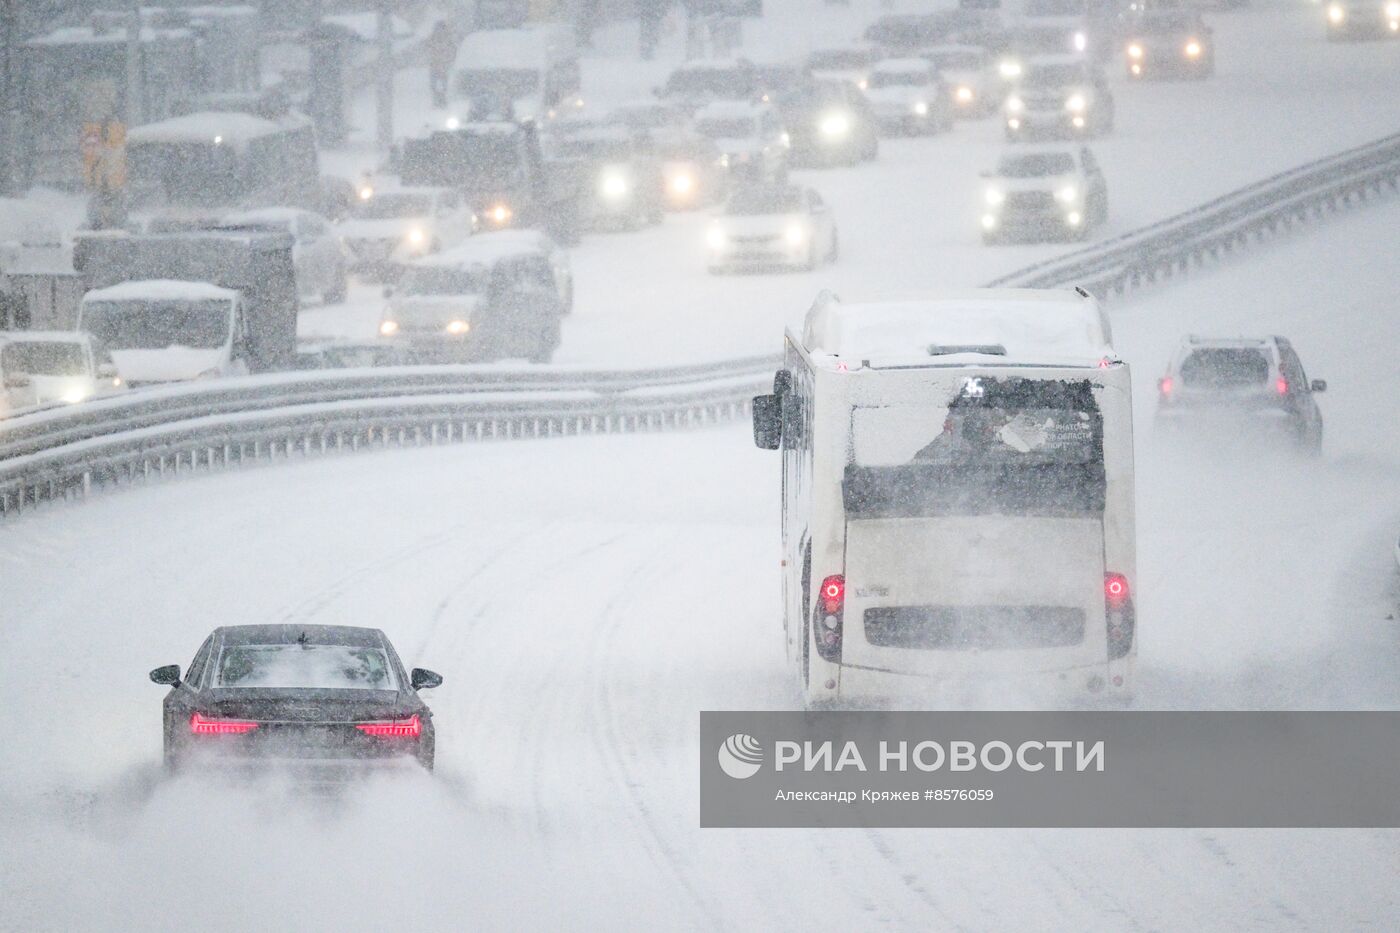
1104 684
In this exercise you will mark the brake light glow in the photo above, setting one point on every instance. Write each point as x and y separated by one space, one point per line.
1281 386
1115 588
409 728
1166 385
833 593
204 725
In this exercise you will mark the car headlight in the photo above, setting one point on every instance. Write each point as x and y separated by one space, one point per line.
835 125
995 196
1014 104
1067 194
716 238
724 160
500 214
785 139
989 221
1135 51
388 328
1074 218
1193 49
1081 42
1010 68
613 186
1392 10
457 328
921 108
1336 13
76 394
795 234
682 183
863 84
963 94
416 236
1076 103
366 192
452 123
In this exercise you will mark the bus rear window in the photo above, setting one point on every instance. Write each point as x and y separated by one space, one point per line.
1014 446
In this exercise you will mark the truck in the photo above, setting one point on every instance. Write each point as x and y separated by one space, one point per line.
189 305
501 170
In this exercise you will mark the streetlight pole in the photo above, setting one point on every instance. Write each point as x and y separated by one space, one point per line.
9 106
384 98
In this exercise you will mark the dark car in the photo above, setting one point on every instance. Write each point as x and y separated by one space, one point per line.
626 184
1241 389
325 702
1170 43
829 123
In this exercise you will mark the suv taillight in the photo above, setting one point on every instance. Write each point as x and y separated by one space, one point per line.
208 725
831 604
1118 614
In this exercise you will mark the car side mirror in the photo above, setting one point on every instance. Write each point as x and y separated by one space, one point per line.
423 679
1318 385
17 381
106 371
767 422
167 676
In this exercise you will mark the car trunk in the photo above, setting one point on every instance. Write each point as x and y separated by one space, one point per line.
322 725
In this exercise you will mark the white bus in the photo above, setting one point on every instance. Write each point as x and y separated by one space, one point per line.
957 497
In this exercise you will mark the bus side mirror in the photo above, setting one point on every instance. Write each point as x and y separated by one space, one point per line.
767 422
782 382
1318 385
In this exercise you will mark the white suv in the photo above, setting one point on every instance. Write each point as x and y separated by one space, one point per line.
1044 191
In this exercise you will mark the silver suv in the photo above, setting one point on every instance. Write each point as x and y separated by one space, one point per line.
1241 387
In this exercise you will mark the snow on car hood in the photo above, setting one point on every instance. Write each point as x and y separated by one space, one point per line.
173 364
759 224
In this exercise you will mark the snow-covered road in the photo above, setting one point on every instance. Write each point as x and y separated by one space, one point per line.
585 598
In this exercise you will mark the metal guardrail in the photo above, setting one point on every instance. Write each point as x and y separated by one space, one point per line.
65 453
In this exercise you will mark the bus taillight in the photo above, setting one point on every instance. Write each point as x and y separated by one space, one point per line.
830 608
1119 614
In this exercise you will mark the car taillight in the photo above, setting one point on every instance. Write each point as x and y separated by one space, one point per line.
207 725
1165 384
1281 386
831 604
409 728
1119 614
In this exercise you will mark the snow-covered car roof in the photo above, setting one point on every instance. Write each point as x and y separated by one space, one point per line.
161 290
732 109
903 66
1042 149
223 127
1028 323
951 48
265 215
485 248
1035 61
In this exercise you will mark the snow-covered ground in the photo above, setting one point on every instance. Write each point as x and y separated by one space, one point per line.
585 598
1283 95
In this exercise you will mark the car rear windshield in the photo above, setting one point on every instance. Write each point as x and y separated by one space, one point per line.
1036 165
57 358
305 666
202 324
765 201
444 280
1225 368
1054 7
712 82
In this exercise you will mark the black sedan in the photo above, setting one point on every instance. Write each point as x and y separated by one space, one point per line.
325 701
